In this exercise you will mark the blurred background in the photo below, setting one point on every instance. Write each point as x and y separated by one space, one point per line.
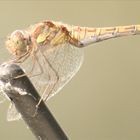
102 102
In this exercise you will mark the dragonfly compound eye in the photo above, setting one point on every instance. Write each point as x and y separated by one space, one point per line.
17 43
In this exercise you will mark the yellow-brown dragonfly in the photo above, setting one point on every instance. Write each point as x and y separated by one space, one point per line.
55 50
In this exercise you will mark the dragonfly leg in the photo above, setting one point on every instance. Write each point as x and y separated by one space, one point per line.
48 87
19 59
56 72
34 60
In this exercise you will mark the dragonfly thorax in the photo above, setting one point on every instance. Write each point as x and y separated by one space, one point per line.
18 43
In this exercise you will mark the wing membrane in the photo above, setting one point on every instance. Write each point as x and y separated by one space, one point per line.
65 61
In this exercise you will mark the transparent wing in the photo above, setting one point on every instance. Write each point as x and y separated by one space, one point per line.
62 61
13 114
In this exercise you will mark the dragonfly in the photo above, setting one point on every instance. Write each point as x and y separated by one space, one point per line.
52 52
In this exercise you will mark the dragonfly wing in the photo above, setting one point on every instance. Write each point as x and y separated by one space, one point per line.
13 114
2 98
65 59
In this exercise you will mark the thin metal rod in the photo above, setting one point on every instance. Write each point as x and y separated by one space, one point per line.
42 124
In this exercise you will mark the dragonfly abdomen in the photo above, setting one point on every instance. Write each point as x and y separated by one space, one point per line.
87 36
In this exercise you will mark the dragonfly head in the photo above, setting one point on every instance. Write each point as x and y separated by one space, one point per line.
18 43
